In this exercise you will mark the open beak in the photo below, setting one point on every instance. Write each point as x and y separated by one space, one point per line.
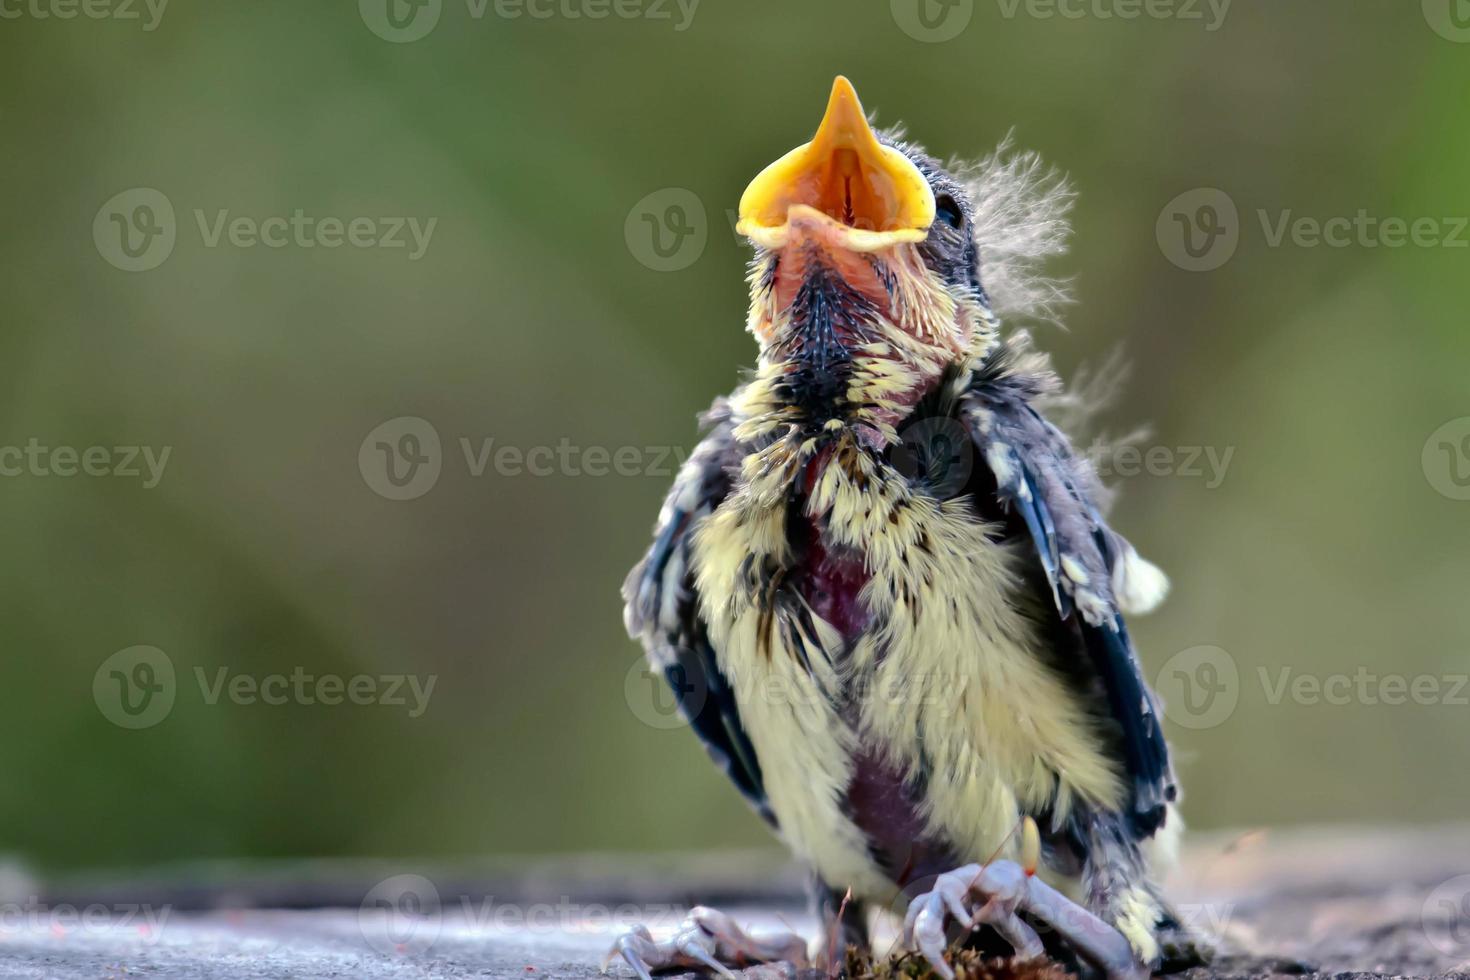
864 196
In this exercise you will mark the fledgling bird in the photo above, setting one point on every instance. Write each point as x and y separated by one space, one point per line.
883 588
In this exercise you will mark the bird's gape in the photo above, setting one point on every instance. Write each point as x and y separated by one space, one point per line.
844 194
871 194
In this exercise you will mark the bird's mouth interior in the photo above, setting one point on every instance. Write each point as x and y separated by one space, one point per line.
862 195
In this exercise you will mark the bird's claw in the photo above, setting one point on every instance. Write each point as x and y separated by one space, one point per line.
707 939
973 895
993 895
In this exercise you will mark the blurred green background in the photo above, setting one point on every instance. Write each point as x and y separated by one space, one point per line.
1329 547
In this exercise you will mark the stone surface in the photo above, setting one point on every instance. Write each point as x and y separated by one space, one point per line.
1326 902
323 943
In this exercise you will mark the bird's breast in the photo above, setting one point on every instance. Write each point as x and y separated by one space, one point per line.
886 673
830 578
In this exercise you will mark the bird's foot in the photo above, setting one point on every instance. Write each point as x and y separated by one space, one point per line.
707 939
1180 949
993 895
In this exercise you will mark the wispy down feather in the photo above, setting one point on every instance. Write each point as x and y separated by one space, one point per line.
1020 220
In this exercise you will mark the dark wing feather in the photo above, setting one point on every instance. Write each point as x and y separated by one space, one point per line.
662 611
1039 477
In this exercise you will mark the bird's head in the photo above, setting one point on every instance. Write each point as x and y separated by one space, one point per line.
865 283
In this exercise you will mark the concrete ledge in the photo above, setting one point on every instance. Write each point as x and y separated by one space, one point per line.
1320 902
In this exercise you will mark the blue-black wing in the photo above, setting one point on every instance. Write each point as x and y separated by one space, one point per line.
662 611
1093 573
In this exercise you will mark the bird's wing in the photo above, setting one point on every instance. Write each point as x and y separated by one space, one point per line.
662 610
1094 574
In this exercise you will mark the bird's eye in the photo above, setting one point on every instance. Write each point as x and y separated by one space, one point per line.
948 211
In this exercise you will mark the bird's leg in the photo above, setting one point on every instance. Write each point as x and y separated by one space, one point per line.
844 925
707 939
1115 878
993 894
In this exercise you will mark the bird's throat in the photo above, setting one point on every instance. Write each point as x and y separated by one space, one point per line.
833 352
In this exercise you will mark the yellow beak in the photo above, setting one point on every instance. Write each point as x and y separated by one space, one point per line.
872 194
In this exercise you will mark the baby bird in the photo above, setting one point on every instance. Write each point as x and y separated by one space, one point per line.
883 590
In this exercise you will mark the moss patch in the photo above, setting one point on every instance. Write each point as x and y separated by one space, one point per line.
968 964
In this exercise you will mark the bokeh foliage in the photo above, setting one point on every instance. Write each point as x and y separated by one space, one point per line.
1325 548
